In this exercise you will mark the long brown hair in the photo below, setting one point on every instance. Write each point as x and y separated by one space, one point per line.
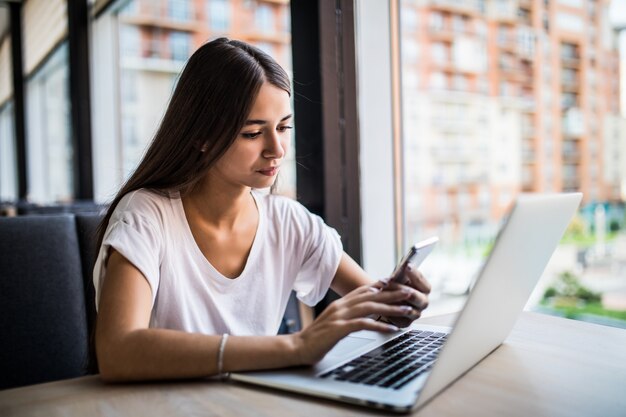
211 101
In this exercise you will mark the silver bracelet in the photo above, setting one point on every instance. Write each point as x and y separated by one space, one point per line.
220 357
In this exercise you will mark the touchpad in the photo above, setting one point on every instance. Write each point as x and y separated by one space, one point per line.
348 345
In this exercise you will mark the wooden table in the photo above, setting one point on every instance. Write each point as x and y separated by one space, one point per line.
548 366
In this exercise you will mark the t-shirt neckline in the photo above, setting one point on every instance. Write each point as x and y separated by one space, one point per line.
254 250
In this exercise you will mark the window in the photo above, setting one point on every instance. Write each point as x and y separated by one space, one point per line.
458 185
180 43
264 19
440 53
130 45
409 19
179 10
8 169
49 132
458 23
570 22
436 21
438 81
218 12
460 82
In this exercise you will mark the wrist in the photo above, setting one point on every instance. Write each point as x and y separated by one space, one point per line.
295 345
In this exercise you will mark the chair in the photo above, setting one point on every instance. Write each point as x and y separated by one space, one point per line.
43 318
86 225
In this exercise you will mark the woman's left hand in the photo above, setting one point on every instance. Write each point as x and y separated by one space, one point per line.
418 287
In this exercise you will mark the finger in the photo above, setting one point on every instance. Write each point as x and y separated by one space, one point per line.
417 280
399 294
369 324
373 308
416 298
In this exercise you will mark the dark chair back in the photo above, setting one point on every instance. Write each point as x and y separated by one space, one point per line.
86 225
42 301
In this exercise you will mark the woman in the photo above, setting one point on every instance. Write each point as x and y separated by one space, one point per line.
191 253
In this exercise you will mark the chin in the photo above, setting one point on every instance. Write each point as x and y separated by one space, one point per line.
262 184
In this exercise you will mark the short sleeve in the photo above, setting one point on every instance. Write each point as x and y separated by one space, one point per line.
322 250
136 238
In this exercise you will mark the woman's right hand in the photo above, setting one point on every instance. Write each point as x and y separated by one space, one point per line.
349 314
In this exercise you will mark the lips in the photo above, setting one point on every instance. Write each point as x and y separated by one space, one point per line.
270 172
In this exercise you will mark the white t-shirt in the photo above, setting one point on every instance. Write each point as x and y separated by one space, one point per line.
292 250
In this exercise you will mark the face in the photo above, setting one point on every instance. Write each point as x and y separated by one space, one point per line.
254 158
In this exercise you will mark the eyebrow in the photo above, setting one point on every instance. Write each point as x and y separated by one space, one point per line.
262 122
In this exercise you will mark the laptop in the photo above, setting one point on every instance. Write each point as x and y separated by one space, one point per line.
403 371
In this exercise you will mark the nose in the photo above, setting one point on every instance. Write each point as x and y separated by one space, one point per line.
274 146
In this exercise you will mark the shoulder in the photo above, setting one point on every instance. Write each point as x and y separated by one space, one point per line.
144 204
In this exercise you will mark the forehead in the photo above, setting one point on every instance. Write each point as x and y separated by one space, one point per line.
271 101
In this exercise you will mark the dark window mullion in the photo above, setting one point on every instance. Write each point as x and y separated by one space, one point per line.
80 96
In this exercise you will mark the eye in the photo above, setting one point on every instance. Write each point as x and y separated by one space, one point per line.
251 135
284 128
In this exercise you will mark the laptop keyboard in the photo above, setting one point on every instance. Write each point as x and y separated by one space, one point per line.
394 364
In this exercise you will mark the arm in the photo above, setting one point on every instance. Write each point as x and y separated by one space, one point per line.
128 349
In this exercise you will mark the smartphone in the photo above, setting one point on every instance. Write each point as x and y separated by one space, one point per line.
415 256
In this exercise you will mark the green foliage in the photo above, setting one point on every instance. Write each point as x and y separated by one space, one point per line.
568 285
549 293
614 226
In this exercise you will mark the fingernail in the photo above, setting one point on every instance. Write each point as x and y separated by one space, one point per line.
392 328
409 267
374 289
406 309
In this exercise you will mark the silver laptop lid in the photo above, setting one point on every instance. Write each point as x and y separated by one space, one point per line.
520 254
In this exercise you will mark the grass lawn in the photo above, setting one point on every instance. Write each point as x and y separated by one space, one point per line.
591 308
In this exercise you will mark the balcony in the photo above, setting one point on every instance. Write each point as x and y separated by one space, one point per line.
466 7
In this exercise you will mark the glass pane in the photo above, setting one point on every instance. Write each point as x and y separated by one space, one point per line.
495 102
156 37
8 168
49 132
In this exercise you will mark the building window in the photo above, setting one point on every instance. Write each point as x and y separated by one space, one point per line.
409 20
440 53
458 23
130 41
264 19
438 81
179 10
218 12
437 22
180 45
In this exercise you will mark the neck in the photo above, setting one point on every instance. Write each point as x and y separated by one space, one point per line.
220 206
